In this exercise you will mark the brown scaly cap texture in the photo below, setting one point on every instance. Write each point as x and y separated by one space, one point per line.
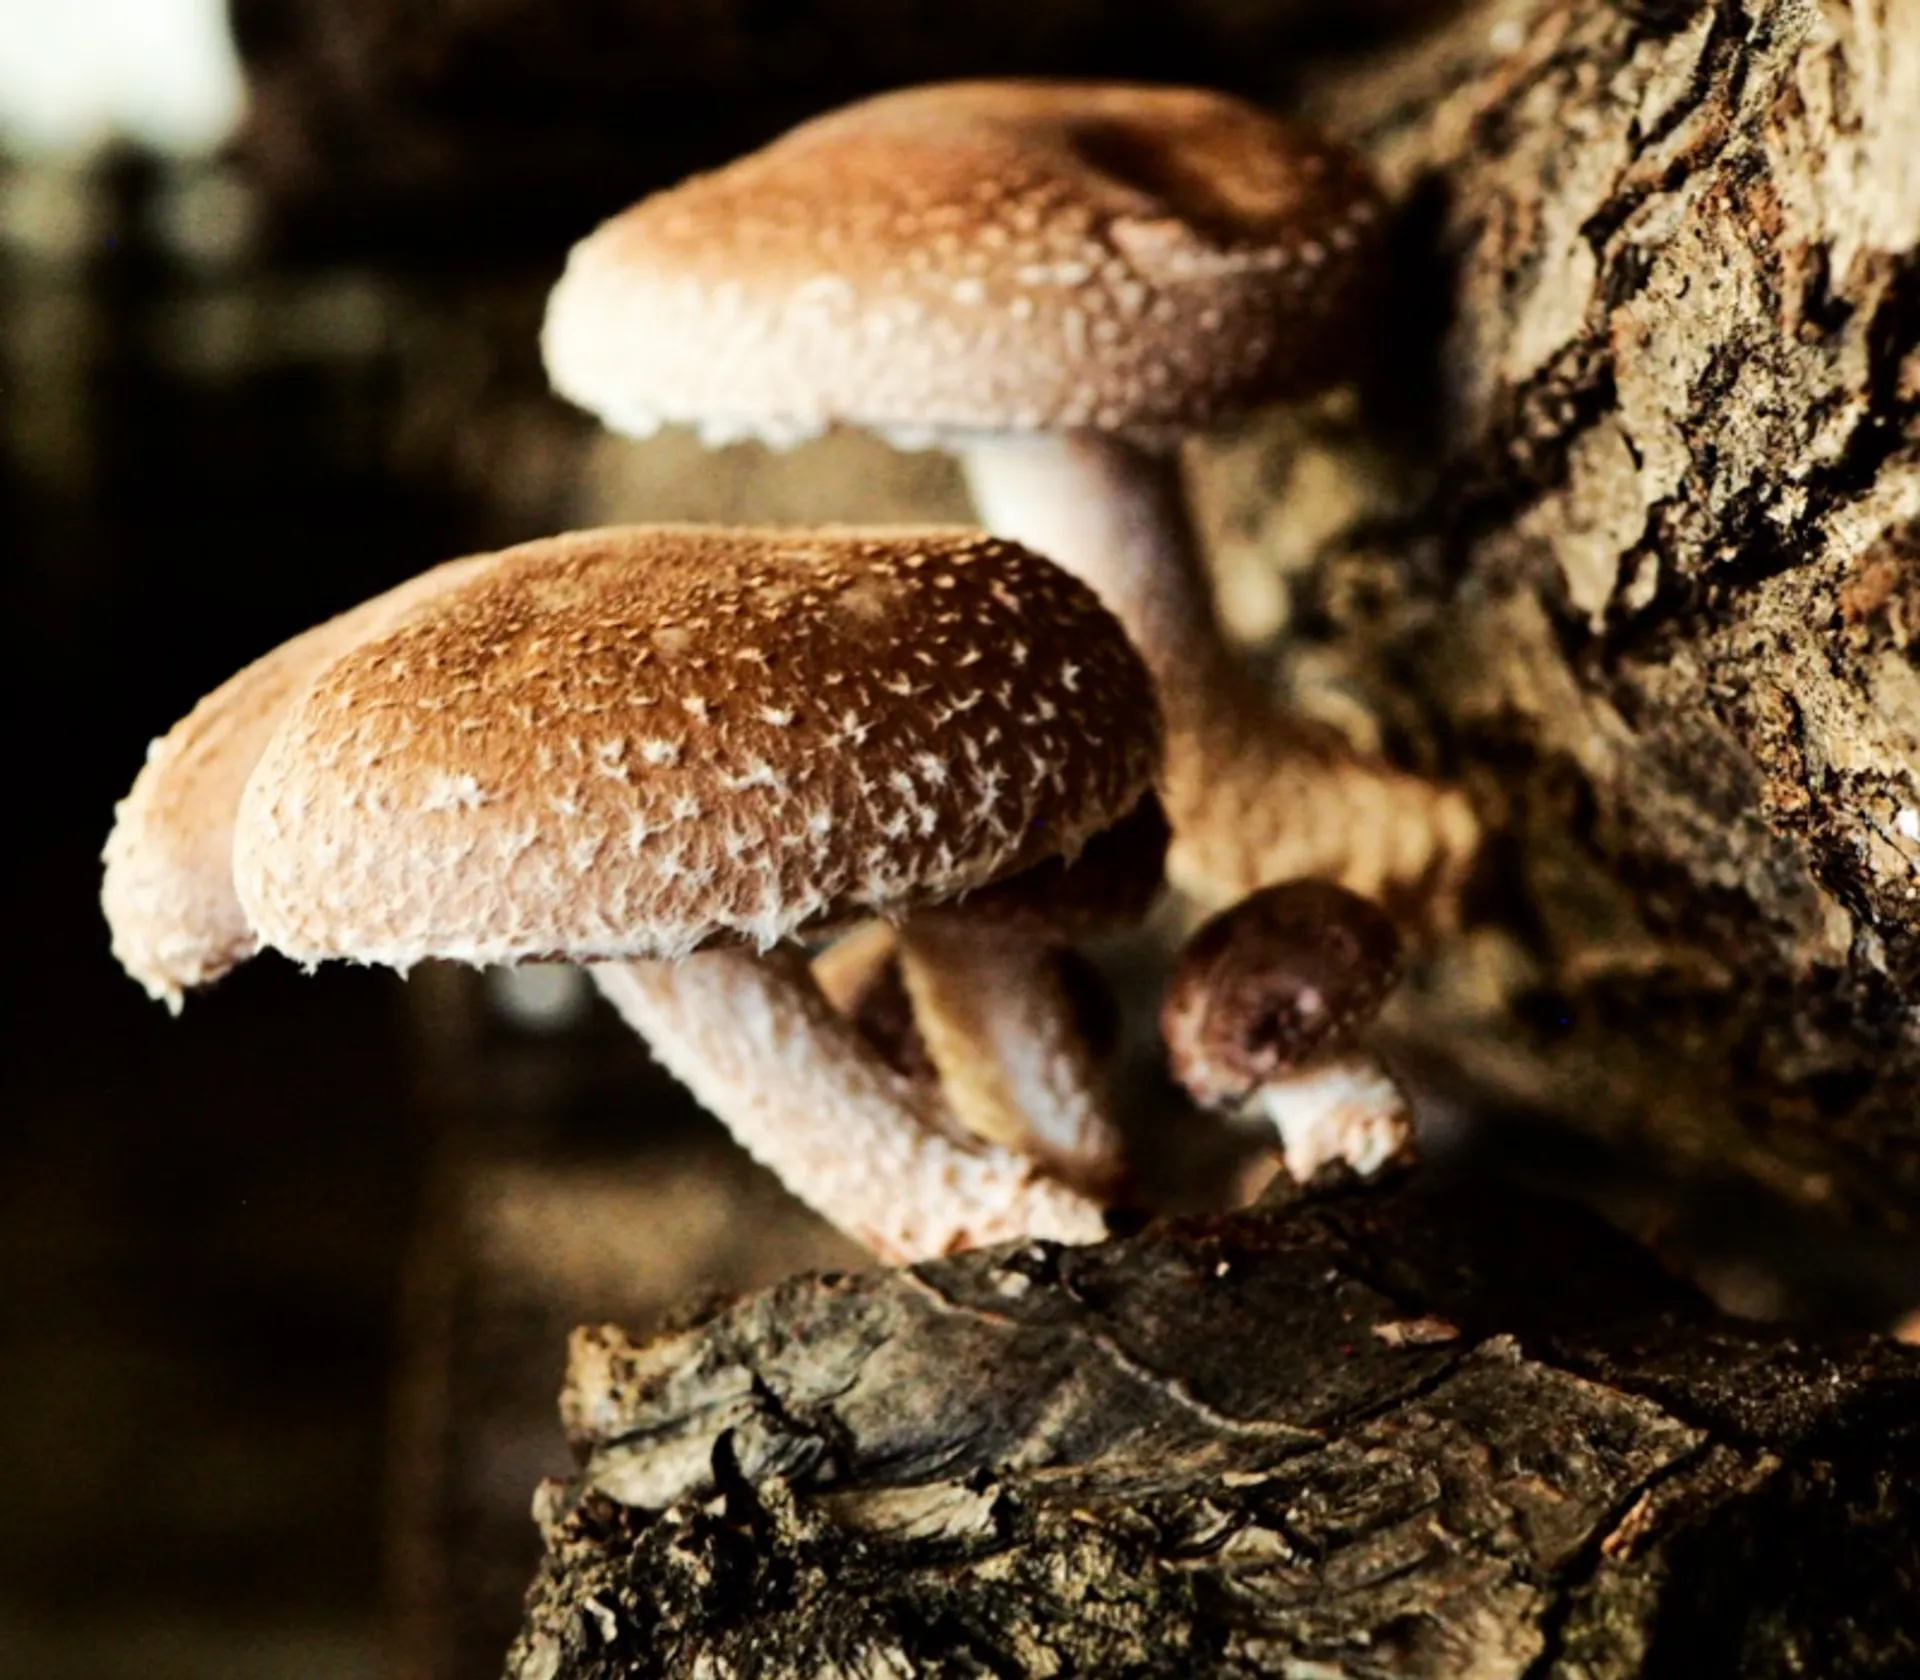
634 742
168 888
1268 984
987 256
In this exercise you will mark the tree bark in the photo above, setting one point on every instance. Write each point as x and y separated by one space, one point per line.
1645 568
1417 1433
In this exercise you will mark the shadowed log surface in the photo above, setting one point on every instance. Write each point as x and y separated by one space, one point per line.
1432 1431
1650 576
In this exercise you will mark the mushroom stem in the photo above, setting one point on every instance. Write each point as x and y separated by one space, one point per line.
1254 794
849 969
760 1047
1343 1108
859 976
1001 1028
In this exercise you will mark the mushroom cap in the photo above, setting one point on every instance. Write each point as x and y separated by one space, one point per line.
979 256
168 886
635 742
1285 975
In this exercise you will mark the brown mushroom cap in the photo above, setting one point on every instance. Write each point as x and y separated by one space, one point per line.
1285 975
168 886
984 256
635 742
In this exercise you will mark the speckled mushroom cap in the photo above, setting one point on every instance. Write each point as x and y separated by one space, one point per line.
1289 972
634 742
978 256
168 886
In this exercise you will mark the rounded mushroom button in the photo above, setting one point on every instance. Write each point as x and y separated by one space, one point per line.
1262 1012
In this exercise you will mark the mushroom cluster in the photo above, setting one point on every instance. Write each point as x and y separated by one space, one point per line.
1058 281
667 752
827 814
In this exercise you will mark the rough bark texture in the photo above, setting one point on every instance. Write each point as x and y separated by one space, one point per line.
1650 577
1428 1432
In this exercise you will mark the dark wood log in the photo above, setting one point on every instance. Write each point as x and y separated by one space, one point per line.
1643 562
1435 1431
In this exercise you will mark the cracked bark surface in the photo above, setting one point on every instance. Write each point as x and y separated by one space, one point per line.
1646 570
1433 1431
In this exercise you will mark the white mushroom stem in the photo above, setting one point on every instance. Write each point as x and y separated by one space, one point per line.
1344 1108
756 1042
1253 796
1002 1031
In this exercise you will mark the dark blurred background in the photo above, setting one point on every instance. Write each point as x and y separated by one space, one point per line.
284 1282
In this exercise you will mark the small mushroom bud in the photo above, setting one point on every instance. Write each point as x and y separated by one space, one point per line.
1260 1014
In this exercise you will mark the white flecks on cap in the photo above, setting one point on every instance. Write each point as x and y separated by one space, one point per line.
168 887
437 791
978 257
